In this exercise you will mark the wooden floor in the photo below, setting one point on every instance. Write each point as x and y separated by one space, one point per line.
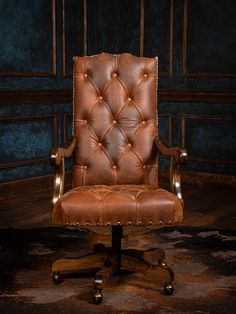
203 207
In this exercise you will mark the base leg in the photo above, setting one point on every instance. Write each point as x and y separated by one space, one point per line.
110 267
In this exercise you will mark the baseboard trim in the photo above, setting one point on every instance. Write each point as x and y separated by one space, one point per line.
202 179
45 183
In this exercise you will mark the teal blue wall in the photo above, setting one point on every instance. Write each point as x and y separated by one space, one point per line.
194 39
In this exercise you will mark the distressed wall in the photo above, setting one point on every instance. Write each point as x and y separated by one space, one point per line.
195 41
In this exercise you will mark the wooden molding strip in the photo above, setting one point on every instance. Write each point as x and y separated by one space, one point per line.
48 96
31 97
198 96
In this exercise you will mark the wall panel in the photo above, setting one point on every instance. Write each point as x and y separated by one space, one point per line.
210 138
114 26
158 33
25 25
209 38
73 32
26 141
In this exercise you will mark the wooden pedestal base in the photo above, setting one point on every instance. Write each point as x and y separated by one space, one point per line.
108 261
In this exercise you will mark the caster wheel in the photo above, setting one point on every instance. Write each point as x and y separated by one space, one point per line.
97 298
169 288
162 263
56 277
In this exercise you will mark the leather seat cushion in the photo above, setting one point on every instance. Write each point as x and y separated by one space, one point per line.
117 205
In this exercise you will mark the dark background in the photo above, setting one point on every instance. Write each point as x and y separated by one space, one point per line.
195 41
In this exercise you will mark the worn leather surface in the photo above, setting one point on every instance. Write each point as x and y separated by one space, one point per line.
117 204
114 119
115 124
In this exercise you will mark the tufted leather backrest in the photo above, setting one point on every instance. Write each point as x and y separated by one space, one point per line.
115 103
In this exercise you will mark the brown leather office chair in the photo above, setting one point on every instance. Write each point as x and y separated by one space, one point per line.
115 146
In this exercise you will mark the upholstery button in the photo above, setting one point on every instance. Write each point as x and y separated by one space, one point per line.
85 167
100 97
114 167
129 144
144 166
145 75
114 122
143 122
129 99
85 121
114 74
99 144
85 75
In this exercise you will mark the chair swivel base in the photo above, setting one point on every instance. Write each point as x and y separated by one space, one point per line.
108 261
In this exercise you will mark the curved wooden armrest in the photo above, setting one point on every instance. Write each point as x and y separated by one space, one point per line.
57 158
58 153
178 156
